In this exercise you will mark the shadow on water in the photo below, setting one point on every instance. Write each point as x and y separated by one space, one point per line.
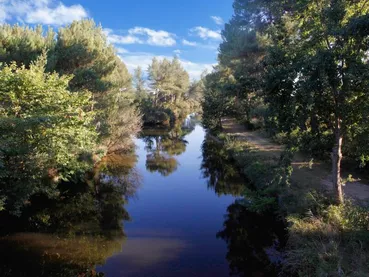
72 233
253 239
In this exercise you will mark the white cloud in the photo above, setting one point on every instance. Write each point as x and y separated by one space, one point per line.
140 35
118 39
132 60
48 12
121 50
158 38
196 69
177 52
217 19
206 33
210 45
189 43
59 16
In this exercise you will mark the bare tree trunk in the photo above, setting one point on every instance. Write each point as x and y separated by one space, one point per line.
336 162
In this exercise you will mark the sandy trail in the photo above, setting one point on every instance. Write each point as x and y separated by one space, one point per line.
303 171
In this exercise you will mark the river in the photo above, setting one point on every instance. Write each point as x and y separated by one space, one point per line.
181 217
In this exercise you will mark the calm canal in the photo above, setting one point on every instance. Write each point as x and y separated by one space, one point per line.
184 219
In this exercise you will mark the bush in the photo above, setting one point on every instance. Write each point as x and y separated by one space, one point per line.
335 243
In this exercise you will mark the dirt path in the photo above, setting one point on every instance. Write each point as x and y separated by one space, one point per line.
305 172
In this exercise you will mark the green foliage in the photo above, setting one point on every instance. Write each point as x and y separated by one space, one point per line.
46 131
218 99
81 51
71 234
22 44
170 97
168 80
139 84
347 217
308 62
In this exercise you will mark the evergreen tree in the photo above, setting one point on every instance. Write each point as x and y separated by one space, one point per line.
139 83
23 44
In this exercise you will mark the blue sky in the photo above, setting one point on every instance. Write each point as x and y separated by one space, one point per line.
140 29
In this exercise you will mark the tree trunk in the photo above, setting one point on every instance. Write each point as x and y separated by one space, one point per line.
336 162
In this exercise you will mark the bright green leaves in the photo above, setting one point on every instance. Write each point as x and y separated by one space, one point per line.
24 44
45 130
169 80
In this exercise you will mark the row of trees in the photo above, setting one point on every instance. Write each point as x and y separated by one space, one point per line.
66 99
165 93
298 67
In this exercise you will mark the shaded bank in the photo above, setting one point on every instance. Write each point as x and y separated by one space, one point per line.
254 240
322 237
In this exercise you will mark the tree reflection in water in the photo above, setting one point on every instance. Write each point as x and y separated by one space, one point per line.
72 233
252 239
219 169
164 145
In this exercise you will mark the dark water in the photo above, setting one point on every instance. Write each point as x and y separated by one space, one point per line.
180 194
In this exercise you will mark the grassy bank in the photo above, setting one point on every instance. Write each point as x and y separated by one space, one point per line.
324 239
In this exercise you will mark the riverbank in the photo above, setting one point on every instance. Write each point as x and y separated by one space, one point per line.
324 239
316 174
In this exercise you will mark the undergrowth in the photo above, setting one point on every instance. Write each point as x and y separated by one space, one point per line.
324 239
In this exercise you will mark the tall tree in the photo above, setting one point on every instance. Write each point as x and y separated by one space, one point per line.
23 44
327 75
82 50
169 80
139 83
218 97
309 61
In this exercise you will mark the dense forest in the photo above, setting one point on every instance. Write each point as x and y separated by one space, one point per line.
62 108
167 95
299 72
69 114
68 100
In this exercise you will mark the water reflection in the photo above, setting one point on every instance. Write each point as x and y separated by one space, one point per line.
253 241
219 169
37 254
72 233
177 222
164 145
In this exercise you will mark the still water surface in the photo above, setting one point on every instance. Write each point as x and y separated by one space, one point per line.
175 220
179 214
